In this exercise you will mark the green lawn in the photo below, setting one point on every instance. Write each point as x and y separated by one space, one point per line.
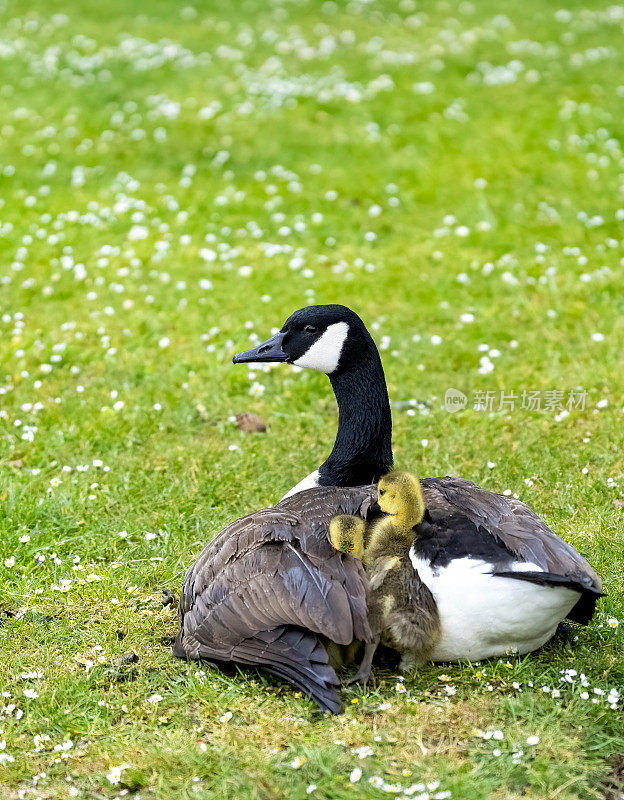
174 181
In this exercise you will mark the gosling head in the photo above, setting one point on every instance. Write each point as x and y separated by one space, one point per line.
399 494
346 533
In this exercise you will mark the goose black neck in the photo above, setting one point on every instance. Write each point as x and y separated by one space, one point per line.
362 451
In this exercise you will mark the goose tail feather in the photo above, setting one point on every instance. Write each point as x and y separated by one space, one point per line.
290 653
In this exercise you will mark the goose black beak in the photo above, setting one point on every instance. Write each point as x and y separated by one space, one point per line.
271 350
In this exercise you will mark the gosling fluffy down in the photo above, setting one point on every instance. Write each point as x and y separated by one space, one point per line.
402 611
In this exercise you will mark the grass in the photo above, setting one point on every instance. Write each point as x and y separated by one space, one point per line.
450 170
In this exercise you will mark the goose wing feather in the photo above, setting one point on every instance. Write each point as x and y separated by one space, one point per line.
270 584
468 521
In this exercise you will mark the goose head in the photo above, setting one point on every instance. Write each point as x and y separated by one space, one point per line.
399 495
346 534
327 338
334 340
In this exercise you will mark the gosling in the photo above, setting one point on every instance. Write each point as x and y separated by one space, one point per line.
402 611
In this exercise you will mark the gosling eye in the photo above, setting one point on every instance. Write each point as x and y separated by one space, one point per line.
310 329
382 492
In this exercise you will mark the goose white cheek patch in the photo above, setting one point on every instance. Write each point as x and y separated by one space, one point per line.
324 354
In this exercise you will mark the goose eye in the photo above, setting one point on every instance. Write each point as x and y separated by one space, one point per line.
381 491
310 329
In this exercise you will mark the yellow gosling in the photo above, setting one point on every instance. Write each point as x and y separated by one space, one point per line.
400 495
401 610
346 534
400 498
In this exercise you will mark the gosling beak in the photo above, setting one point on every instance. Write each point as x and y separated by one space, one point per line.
271 350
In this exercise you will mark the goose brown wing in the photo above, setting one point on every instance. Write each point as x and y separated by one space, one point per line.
270 584
506 532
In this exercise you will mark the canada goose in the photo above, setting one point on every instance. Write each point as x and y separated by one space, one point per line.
401 610
270 590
